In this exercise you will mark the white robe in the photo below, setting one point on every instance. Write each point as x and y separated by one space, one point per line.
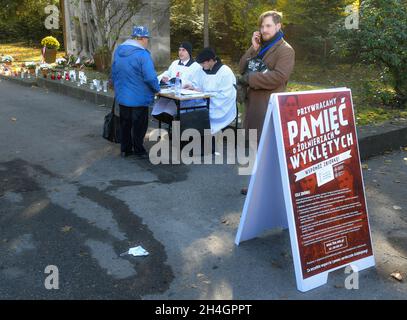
221 87
186 74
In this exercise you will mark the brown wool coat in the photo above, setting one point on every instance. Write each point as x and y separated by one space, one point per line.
280 61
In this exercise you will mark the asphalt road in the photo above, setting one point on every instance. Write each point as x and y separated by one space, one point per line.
67 199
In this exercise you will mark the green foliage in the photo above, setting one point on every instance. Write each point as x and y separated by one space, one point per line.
381 41
240 21
311 21
368 93
186 22
23 20
232 23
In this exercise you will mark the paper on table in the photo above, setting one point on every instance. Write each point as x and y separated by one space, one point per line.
165 91
187 92
196 96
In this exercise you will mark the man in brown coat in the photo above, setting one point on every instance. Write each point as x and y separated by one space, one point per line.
267 74
268 45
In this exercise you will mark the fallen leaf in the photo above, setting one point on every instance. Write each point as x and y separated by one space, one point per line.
387 161
225 221
276 265
338 286
397 275
66 229
13 119
397 181
365 166
397 208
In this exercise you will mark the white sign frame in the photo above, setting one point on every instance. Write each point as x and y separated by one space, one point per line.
256 217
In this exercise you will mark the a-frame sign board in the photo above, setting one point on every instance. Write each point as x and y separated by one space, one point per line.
308 177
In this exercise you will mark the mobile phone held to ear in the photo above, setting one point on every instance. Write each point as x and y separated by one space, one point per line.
258 38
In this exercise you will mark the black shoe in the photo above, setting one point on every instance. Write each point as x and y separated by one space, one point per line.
126 154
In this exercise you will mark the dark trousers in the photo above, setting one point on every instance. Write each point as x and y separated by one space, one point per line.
133 128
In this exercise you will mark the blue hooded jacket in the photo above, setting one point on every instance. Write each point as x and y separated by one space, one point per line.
133 75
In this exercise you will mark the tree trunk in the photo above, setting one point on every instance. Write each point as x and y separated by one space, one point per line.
206 23
62 8
82 25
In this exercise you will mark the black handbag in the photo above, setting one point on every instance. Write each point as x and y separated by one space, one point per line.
111 128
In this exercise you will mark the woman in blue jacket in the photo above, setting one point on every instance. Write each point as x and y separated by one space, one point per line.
135 83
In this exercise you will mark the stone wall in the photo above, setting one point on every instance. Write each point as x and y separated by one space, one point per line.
80 32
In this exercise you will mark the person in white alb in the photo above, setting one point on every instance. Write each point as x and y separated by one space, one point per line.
219 81
165 109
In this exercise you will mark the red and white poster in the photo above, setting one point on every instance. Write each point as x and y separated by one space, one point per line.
308 178
326 183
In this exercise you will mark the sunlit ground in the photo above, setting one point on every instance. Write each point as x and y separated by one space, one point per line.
21 53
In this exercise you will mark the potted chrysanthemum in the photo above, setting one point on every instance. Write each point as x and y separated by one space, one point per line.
50 47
